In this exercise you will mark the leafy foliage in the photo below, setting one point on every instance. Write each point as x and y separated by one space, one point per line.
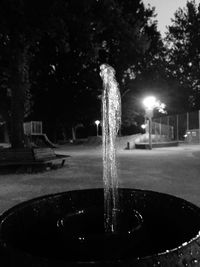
20 32
183 40
104 31
54 49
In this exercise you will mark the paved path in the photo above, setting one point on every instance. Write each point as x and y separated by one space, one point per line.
174 170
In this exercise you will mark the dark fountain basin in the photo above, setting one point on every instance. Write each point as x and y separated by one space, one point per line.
67 229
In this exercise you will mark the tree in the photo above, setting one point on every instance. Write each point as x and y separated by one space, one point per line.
183 40
56 55
146 76
22 30
106 31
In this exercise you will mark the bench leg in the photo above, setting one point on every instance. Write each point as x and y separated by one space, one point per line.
63 162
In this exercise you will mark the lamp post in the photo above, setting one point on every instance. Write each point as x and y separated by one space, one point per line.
150 103
97 122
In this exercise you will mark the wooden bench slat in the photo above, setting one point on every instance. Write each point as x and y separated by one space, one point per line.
28 156
45 153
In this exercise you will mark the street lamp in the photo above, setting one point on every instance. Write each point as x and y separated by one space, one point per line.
150 103
97 122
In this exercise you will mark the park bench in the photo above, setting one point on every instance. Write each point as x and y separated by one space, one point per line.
30 156
47 154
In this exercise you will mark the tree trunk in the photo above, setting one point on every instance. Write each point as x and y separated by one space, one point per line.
6 135
73 133
18 85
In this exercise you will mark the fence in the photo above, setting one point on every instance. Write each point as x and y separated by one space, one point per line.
184 126
161 129
160 132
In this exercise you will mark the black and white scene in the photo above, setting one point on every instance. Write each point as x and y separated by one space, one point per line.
100 133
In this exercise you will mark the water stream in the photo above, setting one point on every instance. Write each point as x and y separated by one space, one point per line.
111 119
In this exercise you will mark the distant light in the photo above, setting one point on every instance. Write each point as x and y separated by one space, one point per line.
143 126
97 122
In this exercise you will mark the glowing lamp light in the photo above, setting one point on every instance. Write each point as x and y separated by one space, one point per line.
97 122
143 126
150 102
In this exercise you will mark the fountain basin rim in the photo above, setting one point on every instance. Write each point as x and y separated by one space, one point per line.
25 203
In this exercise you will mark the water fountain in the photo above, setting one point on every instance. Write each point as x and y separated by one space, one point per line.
111 107
102 227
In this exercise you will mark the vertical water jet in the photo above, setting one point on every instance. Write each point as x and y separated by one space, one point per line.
111 119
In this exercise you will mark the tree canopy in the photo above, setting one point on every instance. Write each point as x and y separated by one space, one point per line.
99 32
22 25
183 41
52 51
